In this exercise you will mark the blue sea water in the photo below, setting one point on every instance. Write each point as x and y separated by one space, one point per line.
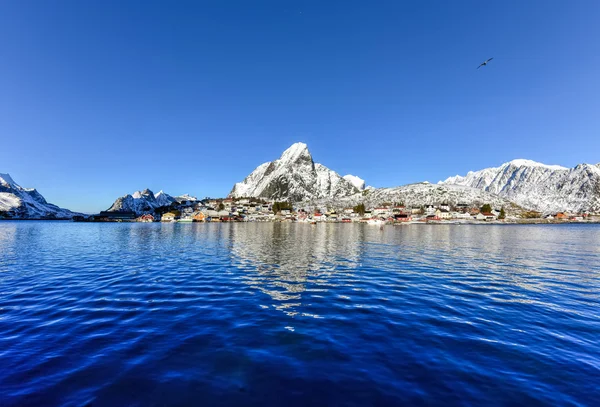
268 314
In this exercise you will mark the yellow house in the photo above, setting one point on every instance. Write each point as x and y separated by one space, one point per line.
199 217
168 217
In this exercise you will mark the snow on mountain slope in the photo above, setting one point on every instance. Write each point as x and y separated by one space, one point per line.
359 183
417 195
146 201
294 176
17 202
546 188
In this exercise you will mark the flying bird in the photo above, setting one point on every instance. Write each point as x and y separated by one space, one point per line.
484 63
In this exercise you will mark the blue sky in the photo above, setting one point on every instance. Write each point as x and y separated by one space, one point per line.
100 98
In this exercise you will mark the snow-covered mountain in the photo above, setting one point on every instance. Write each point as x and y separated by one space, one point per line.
417 195
359 183
146 201
17 202
546 188
294 176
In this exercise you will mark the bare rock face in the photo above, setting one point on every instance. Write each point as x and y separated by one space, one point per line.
295 177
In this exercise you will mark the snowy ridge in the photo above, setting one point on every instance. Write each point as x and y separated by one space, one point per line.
142 202
418 195
17 202
294 176
546 188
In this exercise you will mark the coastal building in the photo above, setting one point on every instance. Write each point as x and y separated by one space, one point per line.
199 217
168 217
211 213
443 214
402 217
485 216
146 218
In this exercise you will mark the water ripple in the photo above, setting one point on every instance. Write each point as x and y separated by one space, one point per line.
271 314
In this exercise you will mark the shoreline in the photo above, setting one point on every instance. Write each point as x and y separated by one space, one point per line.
430 223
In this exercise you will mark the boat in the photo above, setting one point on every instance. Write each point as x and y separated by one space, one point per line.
376 222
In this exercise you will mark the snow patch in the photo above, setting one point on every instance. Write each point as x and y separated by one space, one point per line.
533 185
359 183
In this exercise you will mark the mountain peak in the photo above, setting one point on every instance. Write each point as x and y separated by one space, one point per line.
146 192
27 203
294 176
6 179
295 152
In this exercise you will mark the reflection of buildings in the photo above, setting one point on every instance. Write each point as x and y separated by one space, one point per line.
285 260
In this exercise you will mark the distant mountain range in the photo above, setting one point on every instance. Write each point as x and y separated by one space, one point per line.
17 202
142 202
516 185
532 185
523 183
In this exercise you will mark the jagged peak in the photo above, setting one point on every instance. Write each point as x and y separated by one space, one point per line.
521 162
6 178
144 193
294 152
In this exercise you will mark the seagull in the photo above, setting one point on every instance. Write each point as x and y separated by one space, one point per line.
484 63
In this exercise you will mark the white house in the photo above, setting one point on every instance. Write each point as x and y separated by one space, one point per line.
485 216
443 214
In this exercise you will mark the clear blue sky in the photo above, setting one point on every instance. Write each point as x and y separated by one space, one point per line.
101 98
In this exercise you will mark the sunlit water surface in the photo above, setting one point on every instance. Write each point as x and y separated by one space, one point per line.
298 315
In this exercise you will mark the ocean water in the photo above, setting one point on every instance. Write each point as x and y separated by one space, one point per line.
267 314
